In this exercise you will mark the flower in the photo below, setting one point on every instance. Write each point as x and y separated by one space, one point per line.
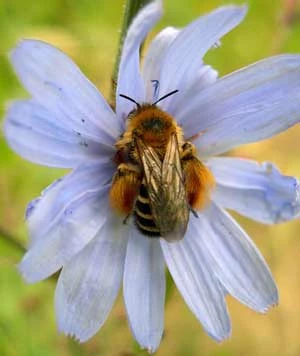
67 123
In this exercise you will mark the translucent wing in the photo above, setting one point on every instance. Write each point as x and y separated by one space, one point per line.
166 190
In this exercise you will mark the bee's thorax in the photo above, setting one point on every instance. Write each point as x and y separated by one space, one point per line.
152 125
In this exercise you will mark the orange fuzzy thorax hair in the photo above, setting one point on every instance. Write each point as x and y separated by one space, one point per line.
152 125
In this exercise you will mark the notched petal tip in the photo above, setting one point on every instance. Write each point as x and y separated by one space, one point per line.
221 339
256 190
71 335
273 302
151 350
220 336
282 194
78 338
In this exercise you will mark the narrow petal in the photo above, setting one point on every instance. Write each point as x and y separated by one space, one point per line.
55 200
258 191
61 222
55 81
129 79
192 272
144 289
203 77
153 60
184 55
37 135
88 285
31 207
237 262
249 105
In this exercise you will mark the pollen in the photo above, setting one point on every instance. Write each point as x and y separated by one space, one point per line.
124 190
198 179
199 183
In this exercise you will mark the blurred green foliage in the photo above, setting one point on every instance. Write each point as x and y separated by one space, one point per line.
88 30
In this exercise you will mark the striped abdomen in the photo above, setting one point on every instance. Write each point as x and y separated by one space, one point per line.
143 216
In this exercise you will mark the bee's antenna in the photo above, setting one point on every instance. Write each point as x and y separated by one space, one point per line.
165 96
130 99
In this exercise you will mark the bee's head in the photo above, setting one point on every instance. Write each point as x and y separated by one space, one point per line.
150 123
153 125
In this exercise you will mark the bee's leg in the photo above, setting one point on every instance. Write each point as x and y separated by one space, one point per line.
194 212
126 219
198 179
125 188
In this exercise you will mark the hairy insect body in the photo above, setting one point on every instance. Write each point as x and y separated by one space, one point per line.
159 178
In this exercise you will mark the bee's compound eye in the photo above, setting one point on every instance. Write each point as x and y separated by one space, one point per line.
131 114
186 146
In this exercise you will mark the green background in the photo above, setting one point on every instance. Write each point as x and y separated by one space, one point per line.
88 30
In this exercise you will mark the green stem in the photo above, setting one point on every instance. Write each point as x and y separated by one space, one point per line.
11 240
131 8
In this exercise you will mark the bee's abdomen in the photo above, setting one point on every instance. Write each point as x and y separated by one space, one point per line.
143 216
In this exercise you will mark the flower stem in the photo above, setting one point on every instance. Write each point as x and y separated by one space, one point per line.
11 240
131 8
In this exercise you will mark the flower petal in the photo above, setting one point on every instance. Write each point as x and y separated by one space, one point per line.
144 289
88 285
258 191
85 180
237 262
249 105
192 272
37 135
203 77
63 221
153 59
129 79
184 55
55 81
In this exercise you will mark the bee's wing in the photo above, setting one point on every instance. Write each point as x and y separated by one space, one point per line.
166 190
151 164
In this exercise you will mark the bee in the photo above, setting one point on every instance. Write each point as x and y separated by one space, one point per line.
159 178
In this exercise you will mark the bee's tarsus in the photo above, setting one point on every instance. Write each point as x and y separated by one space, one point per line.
194 212
125 221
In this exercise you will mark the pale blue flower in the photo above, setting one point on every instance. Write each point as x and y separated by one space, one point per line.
67 123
